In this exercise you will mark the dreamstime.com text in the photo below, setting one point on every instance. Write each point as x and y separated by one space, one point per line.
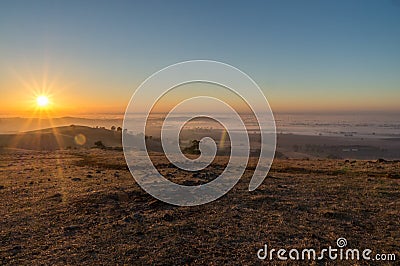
331 253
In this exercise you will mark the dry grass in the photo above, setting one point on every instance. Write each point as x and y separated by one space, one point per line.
83 207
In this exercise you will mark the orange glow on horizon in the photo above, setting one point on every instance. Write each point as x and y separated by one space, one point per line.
36 94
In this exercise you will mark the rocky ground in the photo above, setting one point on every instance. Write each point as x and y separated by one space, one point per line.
83 207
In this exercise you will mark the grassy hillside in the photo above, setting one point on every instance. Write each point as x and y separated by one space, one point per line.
82 207
61 138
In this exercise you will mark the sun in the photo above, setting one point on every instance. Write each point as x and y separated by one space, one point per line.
42 101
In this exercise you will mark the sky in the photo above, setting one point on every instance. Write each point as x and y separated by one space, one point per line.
307 56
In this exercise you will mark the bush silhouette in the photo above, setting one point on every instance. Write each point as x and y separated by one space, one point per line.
194 148
99 144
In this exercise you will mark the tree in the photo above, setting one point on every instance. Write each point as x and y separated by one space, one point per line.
113 128
119 129
194 148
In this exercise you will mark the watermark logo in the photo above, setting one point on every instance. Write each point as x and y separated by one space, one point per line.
203 71
329 253
341 242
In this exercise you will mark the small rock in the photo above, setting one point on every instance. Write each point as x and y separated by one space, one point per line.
237 216
58 197
89 176
380 160
76 179
393 176
155 204
133 218
16 249
127 219
138 217
168 217
189 183
139 233
2 187
70 230
187 260
196 175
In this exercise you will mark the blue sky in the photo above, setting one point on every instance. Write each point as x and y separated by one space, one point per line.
306 55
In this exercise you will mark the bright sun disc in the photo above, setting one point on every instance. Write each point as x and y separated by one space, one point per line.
42 101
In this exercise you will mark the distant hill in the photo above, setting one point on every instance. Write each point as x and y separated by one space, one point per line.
13 125
62 138
288 145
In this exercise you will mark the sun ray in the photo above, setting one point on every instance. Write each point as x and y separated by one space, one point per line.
39 105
